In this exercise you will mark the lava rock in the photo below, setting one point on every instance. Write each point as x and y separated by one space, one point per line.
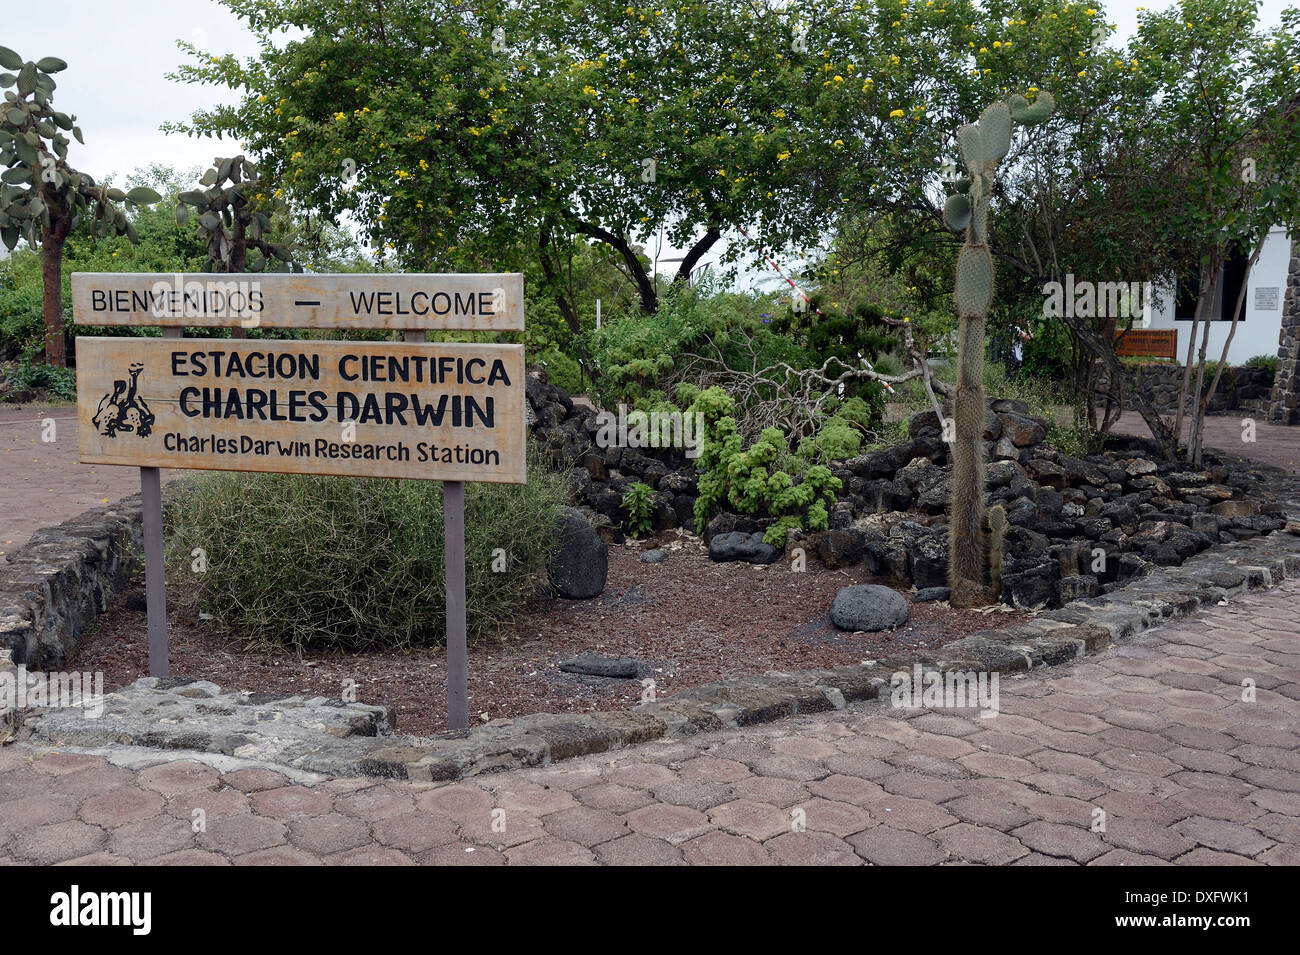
592 664
1049 474
678 481
842 546
684 508
581 563
922 420
1077 587
1031 588
1023 430
935 499
930 561
875 464
1006 450
920 472
882 495
727 523
868 607
738 545
1234 508
886 558
1009 406
1002 473
656 555
841 515
663 517
928 594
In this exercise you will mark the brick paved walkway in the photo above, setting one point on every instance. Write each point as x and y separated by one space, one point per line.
42 483
1153 732
1274 444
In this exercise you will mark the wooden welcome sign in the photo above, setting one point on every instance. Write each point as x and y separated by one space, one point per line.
367 409
416 409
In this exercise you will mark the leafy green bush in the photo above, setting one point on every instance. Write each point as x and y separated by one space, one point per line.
836 440
21 301
635 353
753 480
638 502
1047 355
1076 440
60 382
309 563
1264 361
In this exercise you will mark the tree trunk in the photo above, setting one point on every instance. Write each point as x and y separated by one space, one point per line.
52 240
551 272
1202 294
1198 406
1223 358
695 254
644 283
1116 371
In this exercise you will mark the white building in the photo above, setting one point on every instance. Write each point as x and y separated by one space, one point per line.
1261 314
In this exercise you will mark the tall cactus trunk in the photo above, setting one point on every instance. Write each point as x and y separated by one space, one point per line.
983 145
967 545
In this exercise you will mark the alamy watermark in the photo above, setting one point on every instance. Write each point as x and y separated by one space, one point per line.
651 429
20 689
178 298
945 689
1073 299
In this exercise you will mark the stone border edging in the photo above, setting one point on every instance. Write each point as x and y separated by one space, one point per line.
56 584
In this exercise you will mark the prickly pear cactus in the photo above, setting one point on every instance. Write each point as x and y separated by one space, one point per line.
983 146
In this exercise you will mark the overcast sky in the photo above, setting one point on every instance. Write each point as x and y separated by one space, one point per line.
119 55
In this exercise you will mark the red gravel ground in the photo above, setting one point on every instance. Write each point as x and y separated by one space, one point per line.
687 620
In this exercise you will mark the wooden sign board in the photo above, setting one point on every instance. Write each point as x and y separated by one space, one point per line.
446 412
481 302
1147 342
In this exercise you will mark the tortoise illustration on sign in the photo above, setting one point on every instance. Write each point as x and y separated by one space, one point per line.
124 410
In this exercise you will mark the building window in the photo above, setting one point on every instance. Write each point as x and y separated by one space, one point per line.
1231 277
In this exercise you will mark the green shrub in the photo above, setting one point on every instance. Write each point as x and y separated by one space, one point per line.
1264 361
836 440
1047 355
309 563
60 382
639 504
22 323
635 353
1077 440
753 480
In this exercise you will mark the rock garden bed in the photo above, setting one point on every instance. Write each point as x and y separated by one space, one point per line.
1079 527
685 621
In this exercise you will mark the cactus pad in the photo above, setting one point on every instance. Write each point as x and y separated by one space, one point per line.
956 212
995 131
